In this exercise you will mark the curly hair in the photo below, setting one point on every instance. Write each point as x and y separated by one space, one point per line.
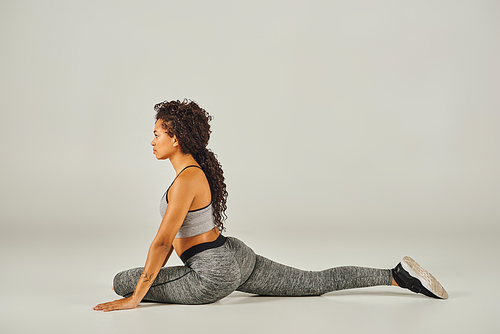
189 123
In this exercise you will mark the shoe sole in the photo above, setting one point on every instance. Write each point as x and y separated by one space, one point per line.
428 281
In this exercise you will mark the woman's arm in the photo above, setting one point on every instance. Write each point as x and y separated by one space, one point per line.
181 197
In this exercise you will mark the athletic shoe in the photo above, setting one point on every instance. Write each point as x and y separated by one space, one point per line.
410 275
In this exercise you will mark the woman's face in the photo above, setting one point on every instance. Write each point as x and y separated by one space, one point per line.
163 145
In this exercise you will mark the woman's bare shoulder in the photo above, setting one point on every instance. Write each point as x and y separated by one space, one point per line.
189 181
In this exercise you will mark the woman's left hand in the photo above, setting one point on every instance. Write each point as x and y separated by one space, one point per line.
120 304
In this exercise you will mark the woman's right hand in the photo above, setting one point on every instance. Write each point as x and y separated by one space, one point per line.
119 304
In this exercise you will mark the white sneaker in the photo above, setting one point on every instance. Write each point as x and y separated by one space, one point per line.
410 275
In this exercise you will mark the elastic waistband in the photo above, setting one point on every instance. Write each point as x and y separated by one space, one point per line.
202 247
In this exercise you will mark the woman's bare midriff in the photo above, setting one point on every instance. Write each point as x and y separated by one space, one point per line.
183 244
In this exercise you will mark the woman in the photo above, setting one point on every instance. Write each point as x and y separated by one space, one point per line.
193 211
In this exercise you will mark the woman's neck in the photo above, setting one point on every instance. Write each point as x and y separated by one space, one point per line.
179 161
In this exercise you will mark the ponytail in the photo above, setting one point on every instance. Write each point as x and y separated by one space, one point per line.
215 176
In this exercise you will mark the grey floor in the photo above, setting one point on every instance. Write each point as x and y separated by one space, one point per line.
51 279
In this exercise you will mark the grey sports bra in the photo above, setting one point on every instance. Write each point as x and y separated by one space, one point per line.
196 222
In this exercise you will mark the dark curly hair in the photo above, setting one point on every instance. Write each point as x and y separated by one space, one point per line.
189 123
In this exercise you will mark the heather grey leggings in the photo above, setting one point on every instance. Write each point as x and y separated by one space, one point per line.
215 273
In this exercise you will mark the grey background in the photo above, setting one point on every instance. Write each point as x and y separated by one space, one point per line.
356 125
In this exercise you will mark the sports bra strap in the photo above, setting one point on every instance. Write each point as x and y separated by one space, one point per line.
187 168
166 194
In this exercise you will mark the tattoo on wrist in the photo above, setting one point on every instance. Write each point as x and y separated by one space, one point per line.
147 279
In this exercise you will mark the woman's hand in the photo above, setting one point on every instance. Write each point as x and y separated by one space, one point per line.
120 304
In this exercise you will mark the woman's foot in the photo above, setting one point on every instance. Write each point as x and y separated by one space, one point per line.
410 275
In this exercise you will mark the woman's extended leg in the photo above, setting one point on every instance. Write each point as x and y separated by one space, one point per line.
270 278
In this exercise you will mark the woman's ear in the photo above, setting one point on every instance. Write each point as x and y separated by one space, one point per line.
175 142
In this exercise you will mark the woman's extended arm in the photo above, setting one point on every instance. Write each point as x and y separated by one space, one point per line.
181 197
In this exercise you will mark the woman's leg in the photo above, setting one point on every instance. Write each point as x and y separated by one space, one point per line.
206 278
270 278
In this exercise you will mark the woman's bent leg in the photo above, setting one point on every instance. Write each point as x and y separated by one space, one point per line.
270 278
172 285
206 278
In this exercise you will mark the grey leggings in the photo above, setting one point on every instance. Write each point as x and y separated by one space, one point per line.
213 274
